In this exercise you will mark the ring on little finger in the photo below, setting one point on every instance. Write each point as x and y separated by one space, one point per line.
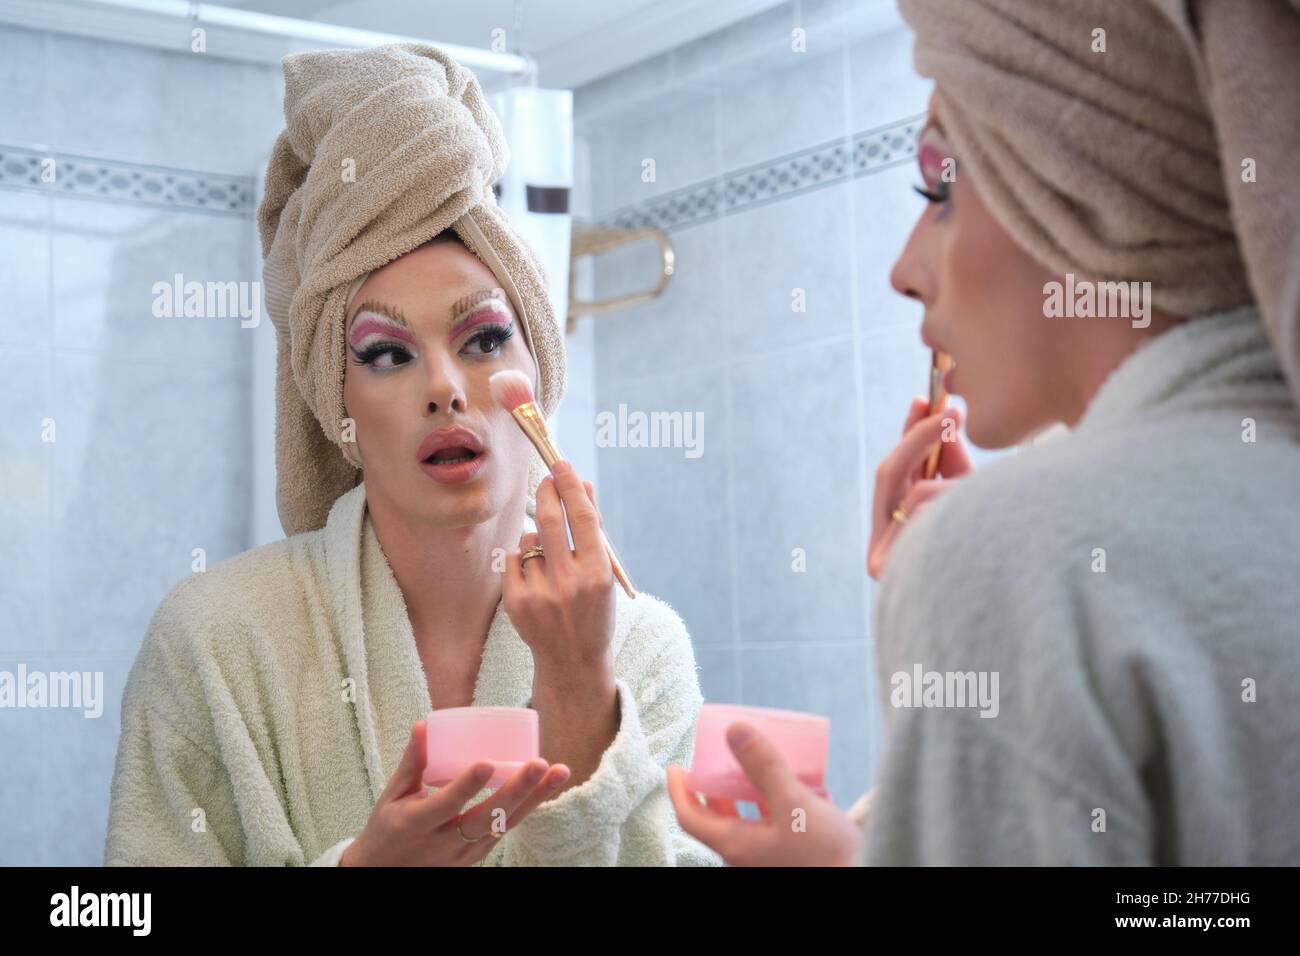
491 833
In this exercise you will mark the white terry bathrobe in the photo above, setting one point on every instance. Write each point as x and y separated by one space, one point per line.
1147 713
274 695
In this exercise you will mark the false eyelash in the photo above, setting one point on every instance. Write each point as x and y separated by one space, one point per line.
371 352
473 299
934 196
502 332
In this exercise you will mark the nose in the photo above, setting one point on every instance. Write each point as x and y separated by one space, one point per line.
911 275
445 386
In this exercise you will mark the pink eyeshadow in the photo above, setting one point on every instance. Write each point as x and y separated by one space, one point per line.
365 326
481 317
931 163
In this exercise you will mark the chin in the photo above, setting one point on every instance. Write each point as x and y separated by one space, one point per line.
992 431
457 505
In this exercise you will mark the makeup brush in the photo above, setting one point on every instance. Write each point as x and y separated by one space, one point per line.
940 363
514 392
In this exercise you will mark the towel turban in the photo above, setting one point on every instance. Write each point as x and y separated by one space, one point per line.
383 149
1167 158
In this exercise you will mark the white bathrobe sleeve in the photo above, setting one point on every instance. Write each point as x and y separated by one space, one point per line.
621 815
1050 776
173 800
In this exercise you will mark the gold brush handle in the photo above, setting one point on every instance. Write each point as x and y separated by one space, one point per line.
940 362
550 455
619 573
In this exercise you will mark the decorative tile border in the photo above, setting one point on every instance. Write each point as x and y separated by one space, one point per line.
85 177
813 168
780 178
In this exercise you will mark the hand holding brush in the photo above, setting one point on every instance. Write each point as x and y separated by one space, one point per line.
514 392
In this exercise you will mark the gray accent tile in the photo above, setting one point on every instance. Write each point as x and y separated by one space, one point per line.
674 532
795 421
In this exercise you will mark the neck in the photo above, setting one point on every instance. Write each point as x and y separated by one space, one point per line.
446 575
1095 353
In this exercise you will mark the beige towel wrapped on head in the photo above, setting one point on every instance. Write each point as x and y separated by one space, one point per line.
383 149
1127 165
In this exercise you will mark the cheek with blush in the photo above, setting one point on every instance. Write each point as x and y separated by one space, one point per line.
994 296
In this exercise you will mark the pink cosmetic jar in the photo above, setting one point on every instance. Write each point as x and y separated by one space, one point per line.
459 737
802 739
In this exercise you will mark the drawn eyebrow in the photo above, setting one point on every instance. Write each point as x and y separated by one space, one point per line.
388 311
458 309
468 302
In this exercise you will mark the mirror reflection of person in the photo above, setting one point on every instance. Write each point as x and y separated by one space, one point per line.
275 714
1132 583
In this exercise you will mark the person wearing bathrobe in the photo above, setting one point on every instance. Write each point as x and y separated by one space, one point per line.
1132 584
275 714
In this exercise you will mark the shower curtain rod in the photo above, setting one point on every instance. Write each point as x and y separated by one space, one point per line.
130 20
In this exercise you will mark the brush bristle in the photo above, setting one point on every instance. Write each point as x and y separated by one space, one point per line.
511 388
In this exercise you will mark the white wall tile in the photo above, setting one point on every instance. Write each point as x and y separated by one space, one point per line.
781 103
26 117
25 251
674 534
24 504
795 421
684 328
151 462
883 84
800 243
107 258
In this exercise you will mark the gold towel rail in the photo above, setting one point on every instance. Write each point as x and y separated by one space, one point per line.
594 240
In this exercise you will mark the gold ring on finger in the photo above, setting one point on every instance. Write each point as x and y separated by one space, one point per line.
534 552
900 514
461 820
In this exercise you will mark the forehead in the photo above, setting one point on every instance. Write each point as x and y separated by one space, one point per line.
425 281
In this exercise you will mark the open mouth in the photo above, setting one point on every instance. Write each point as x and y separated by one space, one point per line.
451 456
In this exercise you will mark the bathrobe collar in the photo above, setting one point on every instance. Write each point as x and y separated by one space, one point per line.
1192 362
378 643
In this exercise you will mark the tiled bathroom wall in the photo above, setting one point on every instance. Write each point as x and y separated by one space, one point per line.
125 444
783 177
127 441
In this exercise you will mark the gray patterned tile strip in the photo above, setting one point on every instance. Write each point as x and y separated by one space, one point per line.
780 178
86 177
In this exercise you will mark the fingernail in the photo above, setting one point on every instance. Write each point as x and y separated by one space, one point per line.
561 467
534 774
482 774
739 734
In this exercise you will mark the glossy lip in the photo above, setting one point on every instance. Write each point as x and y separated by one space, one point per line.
457 473
451 437
935 346
930 342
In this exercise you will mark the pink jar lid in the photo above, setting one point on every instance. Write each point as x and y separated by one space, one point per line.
459 737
